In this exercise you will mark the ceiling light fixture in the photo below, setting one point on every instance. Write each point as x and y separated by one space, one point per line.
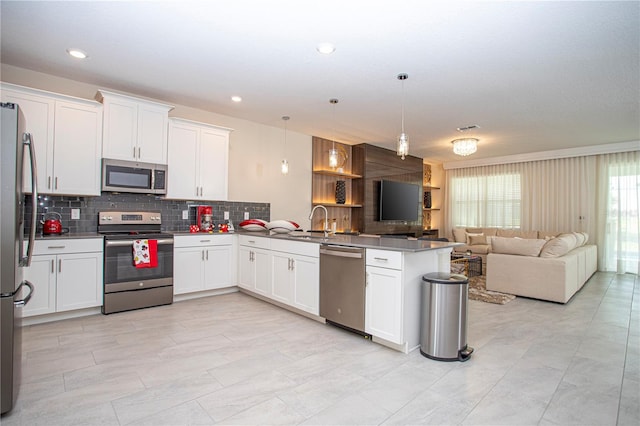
77 53
325 48
285 164
333 152
236 99
465 146
403 140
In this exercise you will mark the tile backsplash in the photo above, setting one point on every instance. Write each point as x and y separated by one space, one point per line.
171 210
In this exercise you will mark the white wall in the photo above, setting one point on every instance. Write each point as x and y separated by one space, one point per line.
256 150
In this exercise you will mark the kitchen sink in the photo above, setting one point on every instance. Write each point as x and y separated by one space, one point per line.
306 235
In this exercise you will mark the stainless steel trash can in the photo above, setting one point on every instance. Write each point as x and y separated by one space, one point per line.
443 334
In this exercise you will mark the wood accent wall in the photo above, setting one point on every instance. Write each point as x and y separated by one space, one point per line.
378 164
363 169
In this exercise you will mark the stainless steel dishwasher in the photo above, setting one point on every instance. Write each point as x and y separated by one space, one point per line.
342 286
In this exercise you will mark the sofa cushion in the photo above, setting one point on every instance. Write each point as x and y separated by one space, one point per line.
547 235
474 230
585 238
490 232
511 233
477 249
518 246
559 246
580 239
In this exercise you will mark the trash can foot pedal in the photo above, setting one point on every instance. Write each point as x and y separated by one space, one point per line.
465 354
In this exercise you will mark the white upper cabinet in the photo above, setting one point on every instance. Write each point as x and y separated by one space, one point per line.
134 129
198 161
76 157
67 135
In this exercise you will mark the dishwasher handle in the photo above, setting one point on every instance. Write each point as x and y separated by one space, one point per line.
341 251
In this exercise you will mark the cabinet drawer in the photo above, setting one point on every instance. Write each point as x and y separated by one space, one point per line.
64 245
296 247
202 240
384 258
251 241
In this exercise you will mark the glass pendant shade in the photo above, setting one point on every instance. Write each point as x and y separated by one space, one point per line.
402 148
333 158
284 166
403 145
465 146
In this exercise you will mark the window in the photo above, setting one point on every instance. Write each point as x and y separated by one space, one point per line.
487 201
622 227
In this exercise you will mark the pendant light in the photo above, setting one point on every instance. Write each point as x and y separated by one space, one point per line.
333 152
402 148
285 164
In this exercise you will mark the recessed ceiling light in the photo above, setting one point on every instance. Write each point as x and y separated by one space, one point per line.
77 53
326 48
236 99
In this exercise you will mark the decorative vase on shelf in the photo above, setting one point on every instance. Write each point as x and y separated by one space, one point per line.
427 200
341 192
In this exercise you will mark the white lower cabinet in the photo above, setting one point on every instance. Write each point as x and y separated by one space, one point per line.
296 274
42 274
383 307
281 270
202 262
66 274
384 295
282 282
254 264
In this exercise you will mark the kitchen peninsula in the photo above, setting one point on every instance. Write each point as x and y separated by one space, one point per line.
284 269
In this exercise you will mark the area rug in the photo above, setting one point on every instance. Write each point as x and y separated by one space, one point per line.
478 291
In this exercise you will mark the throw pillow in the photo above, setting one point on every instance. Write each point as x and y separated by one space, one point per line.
558 246
469 235
579 239
476 240
517 246
459 235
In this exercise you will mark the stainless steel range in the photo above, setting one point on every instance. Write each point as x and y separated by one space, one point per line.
126 286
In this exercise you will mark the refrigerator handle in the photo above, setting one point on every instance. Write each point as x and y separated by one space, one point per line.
20 303
26 140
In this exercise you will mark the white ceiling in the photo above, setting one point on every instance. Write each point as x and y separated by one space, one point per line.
536 76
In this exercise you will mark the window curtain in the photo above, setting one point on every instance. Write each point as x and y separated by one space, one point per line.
483 197
549 195
618 231
559 195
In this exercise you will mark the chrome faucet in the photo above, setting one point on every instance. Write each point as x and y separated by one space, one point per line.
326 219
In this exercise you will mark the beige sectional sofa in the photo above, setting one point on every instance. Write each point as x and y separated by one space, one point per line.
540 265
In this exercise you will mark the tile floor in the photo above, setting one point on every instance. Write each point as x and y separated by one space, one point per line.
233 359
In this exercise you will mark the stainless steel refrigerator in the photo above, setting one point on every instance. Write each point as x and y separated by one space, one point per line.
14 291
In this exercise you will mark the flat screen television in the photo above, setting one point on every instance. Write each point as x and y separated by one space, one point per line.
399 201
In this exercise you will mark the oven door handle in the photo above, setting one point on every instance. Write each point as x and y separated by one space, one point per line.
122 243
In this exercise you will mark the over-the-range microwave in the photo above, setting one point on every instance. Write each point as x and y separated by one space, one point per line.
132 176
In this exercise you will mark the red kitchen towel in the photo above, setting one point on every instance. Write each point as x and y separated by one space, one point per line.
145 253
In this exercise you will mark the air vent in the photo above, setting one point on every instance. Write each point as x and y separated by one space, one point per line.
464 129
